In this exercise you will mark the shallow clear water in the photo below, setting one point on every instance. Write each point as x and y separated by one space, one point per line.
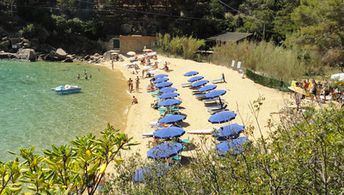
32 114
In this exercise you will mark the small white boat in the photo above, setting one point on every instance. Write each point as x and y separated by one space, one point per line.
67 89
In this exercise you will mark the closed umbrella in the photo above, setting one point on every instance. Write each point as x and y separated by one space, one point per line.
169 102
207 88
234 146
163 84
168 89
199 83
195 78
190 73
168 95
165 150
172 119
222 117
168 133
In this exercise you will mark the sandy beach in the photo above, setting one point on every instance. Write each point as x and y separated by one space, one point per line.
241 92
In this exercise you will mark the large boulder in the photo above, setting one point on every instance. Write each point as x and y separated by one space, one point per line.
61 53
27 54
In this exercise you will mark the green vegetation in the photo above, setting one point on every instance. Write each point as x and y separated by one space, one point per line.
303 155
69 169
275 61
180 46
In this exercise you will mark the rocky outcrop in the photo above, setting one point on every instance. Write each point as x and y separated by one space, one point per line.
27 54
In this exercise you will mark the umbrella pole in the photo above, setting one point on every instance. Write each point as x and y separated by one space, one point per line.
220 102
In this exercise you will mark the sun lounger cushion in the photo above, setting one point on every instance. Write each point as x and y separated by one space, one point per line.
186 84
201 131
218 81
216 111
147 134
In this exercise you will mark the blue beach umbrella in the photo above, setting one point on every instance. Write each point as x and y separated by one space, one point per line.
168 95
160 76
168 133
145 172
168 89
169 102
164 84
207 88
234 146
228 131
222 117
215 93
161 80
165 150
196 78
199 83
172 119
190 73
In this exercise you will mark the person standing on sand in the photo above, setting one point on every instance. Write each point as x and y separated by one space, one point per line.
137 83
112 66
130 85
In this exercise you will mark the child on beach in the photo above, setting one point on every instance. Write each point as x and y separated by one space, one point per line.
134 101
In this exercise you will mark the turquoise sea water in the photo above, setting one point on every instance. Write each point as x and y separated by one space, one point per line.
32 114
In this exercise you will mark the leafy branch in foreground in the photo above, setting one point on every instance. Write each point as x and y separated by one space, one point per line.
78 168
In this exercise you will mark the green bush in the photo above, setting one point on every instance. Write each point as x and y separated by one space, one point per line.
274 61
28 30
303 155
180 46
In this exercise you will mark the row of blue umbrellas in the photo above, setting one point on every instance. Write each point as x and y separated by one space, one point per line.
167 149
230 133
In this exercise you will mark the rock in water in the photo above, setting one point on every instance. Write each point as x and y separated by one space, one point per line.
27 54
